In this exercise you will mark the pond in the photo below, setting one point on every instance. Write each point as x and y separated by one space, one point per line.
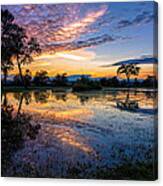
81 133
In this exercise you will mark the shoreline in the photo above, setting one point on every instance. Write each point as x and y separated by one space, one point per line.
69 89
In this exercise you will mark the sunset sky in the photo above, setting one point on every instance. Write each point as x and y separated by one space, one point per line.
83 38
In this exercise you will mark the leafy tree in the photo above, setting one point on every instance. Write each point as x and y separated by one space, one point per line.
150 81
104 81
41 77
15 45
25 49
128 70
113 82
7 36
86 84
27 77
17 80
61 80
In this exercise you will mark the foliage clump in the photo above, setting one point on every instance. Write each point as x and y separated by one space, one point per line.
85 84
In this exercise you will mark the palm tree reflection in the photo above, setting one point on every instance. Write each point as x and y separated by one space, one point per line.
128 104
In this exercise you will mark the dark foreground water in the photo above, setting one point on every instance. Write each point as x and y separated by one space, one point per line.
80 134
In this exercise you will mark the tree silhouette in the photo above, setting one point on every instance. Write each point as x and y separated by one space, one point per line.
7 47
17 80
61 80
16 44
150 81
25 49
128 70
41 77
27 77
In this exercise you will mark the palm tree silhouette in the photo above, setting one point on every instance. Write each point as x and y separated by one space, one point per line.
128 70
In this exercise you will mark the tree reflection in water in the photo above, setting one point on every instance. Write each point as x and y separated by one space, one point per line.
41 96
83 99
28 98
60 96
151 95
16 128
128 104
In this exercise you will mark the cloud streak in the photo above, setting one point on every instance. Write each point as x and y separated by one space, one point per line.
143 18
147 60
94 41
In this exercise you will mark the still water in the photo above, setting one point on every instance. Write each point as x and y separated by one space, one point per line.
84 131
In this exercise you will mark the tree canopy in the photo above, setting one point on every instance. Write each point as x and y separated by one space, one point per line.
128 70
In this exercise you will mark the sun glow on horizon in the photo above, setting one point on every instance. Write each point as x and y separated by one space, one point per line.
78 62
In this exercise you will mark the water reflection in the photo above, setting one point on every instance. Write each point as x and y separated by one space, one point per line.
60 96
151 95
125 97
82 106
128 104
16 128
41 96
132 104
83 98
71 130
70 137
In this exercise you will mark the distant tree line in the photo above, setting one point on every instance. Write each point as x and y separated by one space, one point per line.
149 82
42 79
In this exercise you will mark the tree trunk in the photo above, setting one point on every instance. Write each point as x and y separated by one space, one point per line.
128 80
5 77
20 104
20 73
